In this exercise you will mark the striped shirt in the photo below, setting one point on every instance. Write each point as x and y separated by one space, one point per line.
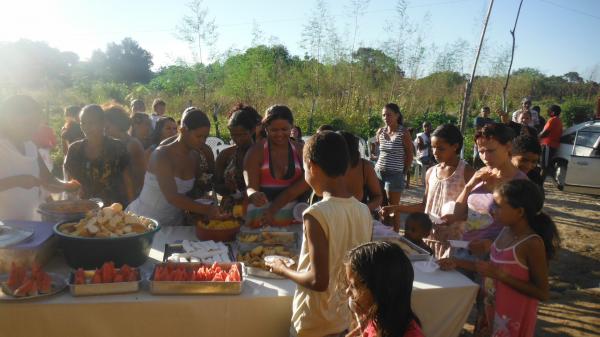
391 152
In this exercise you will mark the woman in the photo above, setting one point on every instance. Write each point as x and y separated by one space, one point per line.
141 128
71 131
116 126
475 204
297 134
229 172
166 127
22 171
361 178
395 156
273 171
100 163
171 174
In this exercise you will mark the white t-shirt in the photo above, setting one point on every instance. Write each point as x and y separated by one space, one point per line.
347 223
426 141
154 118
19 203
535 117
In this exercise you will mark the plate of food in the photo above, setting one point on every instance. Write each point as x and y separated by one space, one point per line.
254 259
22 284
288 261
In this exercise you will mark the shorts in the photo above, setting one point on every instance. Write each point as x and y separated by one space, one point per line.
391 181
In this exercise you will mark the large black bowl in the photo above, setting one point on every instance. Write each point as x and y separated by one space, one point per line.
91 253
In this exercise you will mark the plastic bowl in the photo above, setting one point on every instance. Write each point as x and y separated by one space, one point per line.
91 253
67 210
223 235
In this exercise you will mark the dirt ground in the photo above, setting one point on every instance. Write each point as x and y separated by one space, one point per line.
574 306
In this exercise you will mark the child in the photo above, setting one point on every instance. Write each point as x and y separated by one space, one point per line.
331 228
416 228
444 182
380 278
525 155
517 275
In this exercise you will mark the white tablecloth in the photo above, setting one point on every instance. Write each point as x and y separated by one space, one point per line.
442 300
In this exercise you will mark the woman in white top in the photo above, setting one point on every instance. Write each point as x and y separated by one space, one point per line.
22 171
444 182
172 172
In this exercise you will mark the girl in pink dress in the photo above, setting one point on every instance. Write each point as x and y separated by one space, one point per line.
516 277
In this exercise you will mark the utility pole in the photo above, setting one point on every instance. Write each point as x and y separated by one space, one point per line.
469 86
512 57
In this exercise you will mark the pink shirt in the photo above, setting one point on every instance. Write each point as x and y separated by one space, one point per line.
413 330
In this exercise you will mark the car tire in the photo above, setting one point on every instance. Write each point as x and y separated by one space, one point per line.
560 173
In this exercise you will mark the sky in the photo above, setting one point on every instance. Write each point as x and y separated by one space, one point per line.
554 36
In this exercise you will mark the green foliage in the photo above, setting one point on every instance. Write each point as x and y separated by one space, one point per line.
575 111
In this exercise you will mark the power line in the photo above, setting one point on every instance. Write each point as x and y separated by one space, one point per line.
173 30
571 9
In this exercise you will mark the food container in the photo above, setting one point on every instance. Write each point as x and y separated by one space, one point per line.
256 267
413 252
58 285
223 235
91 253
197 287
92 289
67 210
37 249
248 239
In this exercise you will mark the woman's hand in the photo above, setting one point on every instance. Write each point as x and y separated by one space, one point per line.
258 199
267 218
72 186
447 264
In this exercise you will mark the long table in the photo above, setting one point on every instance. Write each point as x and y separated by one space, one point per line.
442 300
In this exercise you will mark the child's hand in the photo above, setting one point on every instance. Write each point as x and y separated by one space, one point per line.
480 247
447 264
277 266
387 211
488 270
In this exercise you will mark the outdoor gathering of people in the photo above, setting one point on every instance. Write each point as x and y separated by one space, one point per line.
159 168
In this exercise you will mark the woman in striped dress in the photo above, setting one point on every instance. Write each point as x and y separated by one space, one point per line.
395 156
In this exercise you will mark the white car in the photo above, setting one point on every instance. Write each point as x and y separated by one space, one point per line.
577 160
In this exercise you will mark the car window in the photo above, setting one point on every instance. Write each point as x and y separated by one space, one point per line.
587 144
568 139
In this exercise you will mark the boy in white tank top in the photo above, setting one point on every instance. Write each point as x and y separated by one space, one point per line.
332 226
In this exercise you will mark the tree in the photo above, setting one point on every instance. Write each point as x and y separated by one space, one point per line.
573 77
127 62
198 30
30 64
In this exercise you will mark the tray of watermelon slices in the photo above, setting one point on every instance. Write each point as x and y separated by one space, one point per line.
172 278
22 284
105 281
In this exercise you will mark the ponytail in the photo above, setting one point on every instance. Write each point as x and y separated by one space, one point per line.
545 227
524 194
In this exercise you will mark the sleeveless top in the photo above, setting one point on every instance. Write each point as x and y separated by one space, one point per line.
272 186
509 312
480 224
19 203
152 203
391 152
441 191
